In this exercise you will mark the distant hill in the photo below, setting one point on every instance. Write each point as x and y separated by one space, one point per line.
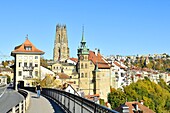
155 96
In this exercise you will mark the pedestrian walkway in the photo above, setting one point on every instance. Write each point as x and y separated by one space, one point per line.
42 105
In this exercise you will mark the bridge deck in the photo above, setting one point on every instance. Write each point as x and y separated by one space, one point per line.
43 105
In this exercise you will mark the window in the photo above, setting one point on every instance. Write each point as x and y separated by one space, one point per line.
25 64
85 57
36 65
74 82
85 65
25 57
20 57
36 73
91 63
30 64
82 75
122 75
28 48
82 65
30 73
20 64
20 73
86 75
36 57
31 58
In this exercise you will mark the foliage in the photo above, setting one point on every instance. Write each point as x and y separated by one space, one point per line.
156 64
43 62
102 102
155 96
50 82
116 98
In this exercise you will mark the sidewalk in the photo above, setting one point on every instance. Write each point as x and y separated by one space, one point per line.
42 105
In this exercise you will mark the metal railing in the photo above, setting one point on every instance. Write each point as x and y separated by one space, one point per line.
72 103
23 105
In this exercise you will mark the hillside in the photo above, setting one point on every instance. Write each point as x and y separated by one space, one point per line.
155 96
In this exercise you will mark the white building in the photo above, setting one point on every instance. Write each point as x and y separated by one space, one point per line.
27 64
3 79
119 71
44 71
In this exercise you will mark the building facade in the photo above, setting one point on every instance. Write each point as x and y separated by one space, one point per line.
61 49
27 64
94 72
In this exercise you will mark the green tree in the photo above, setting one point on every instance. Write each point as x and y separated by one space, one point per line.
116 98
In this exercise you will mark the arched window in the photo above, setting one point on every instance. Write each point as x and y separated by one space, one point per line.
85 57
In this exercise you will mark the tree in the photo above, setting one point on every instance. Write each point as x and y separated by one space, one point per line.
43 62
116 98
155 96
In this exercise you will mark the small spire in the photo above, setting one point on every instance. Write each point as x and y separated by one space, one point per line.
83 40
27 36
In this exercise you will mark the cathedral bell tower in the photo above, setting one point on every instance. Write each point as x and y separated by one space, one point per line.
61 50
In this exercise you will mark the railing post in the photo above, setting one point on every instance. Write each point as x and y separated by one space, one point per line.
24 106
82 106
95 108
13 109
69 102
20 107
74 105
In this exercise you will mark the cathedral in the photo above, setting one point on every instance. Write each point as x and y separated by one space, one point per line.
61 49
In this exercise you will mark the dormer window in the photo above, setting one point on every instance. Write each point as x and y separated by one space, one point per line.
28 48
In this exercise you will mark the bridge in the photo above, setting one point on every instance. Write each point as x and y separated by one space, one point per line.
52 101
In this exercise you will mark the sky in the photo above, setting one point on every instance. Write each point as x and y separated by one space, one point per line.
116 27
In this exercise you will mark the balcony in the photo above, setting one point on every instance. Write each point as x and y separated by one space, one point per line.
26 68
27 76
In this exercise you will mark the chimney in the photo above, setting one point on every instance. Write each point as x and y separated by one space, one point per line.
98 50
137 107
95 51
141 101
124 109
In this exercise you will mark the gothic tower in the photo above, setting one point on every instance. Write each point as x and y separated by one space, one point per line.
61 50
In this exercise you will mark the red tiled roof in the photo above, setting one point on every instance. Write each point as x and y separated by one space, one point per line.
131 107
98 60
139 75
21 48
63 76
140 106
74 59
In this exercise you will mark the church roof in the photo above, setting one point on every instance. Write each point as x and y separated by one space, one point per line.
21 48
99 60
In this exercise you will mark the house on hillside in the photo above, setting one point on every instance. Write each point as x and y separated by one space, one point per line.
133 107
